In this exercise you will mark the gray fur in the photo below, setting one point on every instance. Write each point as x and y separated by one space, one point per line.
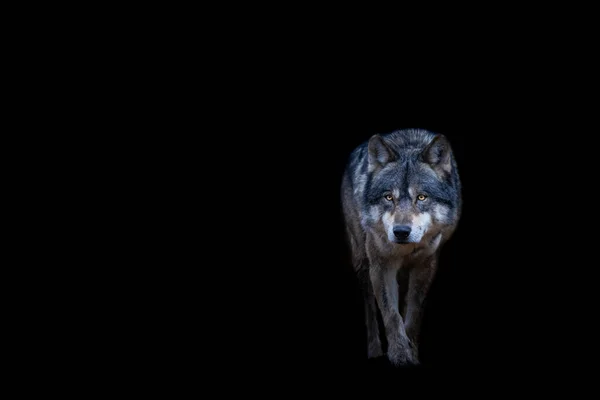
397 276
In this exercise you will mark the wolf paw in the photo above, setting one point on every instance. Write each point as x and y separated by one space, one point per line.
403 354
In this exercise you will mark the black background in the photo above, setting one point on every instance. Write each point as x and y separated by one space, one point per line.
225 153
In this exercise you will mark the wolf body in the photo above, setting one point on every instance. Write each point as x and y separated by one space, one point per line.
401 200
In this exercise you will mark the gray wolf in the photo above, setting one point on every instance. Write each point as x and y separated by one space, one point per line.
401 202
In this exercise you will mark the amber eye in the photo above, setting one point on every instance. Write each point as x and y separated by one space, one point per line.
421 197
389 197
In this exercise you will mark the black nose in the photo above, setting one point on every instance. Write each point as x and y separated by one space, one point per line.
402 231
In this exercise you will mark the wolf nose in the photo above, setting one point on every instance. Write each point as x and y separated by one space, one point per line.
402 231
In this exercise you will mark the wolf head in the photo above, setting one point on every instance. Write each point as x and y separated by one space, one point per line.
412 189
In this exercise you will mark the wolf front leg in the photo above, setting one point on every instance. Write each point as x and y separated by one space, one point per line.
374 348
419 282
400 349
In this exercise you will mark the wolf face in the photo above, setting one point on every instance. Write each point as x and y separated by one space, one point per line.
409 198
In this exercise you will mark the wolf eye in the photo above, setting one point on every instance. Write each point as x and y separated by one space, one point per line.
389 197
421 197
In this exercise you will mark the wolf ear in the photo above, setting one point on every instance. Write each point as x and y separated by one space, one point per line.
438 155
379 152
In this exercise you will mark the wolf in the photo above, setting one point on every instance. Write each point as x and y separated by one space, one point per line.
401 202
